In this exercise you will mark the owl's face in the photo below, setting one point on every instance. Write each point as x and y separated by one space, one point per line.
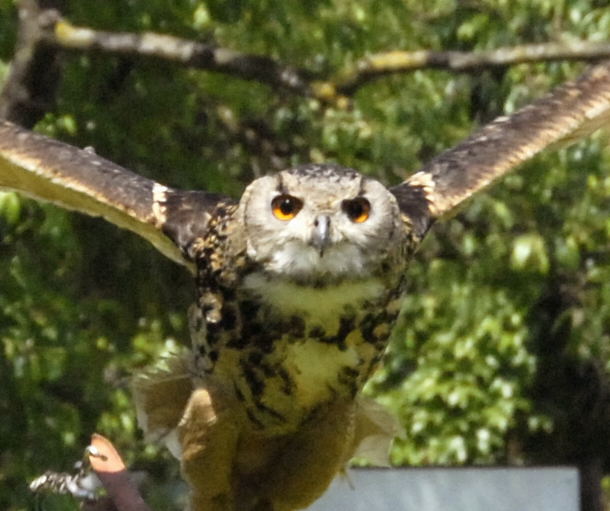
317 223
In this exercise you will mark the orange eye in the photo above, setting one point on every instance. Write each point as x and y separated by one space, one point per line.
285 207
357 209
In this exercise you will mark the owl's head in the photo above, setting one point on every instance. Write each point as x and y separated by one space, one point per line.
320 222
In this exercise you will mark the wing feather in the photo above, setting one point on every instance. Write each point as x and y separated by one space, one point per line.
80 180
570 112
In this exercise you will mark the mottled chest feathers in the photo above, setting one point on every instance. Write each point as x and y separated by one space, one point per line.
302 346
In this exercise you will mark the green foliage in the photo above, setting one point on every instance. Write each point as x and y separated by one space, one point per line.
82 305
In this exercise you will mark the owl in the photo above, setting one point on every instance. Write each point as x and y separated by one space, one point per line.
298 285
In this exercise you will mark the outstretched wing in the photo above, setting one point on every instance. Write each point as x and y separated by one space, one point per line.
80 180
567 114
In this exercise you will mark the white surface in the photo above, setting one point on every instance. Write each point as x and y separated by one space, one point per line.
454 489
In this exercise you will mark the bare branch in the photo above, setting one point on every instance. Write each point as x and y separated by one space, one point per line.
30 87
182 51
381 64
195 54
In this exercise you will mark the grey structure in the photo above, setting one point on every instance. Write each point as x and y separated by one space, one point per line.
454 489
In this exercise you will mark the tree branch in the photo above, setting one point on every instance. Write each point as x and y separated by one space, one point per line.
63 35
381 64
267 70
182 51
30 87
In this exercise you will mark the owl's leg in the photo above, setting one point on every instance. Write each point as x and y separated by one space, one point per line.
309 460
208 435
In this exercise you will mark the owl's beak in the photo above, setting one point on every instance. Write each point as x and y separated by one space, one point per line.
320 237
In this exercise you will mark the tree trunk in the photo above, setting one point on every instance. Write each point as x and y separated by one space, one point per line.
591 473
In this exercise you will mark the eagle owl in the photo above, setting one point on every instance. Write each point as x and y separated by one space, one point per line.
297 290
298 286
